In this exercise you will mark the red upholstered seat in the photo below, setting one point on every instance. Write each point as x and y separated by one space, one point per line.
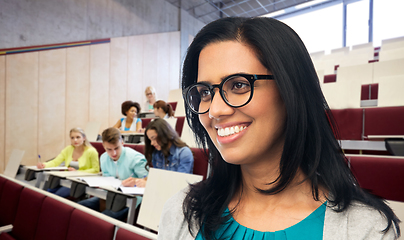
84 226
173 105
200 162
384 121
370 91
138 147
54 220
330 78
383 176
146 121
6 236
26 220
123 234
99 147
349 122
9 202
2 182
179 125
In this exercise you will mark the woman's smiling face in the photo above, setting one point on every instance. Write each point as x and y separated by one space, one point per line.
254 132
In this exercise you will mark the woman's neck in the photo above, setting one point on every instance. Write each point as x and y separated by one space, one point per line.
129 120
297 191
79 148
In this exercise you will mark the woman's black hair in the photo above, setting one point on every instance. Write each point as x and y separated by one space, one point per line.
310 136
128 105
166 136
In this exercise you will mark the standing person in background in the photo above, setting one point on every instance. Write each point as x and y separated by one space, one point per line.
163 110
151 99
80 155
165 150
121 162
130 123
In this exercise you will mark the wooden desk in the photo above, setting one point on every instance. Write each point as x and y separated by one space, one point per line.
363 145
127 135
63 175
39 173
382 137
147 115
101 192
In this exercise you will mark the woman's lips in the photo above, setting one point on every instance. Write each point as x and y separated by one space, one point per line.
224 132
230 133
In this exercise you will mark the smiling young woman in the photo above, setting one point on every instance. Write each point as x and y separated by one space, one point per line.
79 155
253 99
130 123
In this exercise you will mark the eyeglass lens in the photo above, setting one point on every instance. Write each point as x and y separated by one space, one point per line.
235 90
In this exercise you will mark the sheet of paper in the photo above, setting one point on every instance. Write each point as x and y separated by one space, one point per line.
47 169
101 181
132 190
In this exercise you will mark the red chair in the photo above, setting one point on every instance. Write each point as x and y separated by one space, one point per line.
173 105
84 226
179 125
123 234
26 219
382 176
54 220
9 202
200 162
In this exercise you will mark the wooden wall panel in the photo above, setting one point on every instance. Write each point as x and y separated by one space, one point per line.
137 80
2 111
99 84
118 77
77 88
52 103
150 64
175 60
22 105
163 66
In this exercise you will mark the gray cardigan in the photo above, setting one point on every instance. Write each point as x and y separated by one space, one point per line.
357 222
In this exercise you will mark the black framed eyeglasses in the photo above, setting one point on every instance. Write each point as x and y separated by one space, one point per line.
236 90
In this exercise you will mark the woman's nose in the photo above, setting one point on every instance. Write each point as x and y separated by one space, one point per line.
218 107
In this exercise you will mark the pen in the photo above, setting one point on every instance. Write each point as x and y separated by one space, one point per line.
39 158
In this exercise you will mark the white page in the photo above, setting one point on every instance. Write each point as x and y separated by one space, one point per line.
101 181
47 169
132 190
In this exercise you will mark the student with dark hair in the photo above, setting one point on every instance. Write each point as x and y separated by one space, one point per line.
253 99
165 150
121 162
163 110
130 123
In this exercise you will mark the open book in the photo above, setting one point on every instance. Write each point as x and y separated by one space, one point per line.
111 181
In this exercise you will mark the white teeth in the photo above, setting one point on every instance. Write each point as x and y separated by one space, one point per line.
223 132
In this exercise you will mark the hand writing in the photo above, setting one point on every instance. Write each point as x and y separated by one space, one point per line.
40 165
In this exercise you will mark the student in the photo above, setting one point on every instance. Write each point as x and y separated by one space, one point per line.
165 150
120 162
130 123
79 155
253 99
163 110
150 93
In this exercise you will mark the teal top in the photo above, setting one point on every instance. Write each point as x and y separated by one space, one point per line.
310 228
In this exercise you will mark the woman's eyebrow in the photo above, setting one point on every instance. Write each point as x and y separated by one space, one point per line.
223 78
